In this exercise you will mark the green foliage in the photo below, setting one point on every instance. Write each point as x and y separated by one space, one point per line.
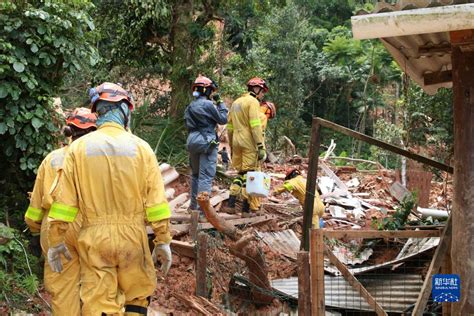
166 135
400 217
19 284
39 42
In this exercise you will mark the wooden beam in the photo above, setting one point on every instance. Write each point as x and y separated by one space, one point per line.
410 22
317 272
351 279
183 228
427 50
311 183
383 145
304 284
183 248
201 265
462 250
352 234
432 78
438 259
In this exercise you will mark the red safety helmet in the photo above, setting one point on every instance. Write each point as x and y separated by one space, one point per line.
269 109
258 82
291 173
82 118
110 92
204 82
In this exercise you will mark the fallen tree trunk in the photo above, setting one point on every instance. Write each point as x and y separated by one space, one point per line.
244 247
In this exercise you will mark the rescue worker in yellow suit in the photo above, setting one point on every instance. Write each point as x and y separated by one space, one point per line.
64 287
296 185
267 112
112 178
245 133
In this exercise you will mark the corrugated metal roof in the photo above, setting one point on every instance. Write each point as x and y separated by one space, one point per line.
419 54
285 242
395 292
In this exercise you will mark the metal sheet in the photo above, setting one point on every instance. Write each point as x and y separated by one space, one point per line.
395 292
284 242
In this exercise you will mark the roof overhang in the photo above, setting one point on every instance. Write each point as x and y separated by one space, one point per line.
418 39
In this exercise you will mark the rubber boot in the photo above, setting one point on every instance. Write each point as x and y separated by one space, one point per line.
246 210
230 208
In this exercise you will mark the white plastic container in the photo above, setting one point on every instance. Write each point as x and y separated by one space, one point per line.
258 184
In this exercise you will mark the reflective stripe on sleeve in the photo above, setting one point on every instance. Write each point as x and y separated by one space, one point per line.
288 186
255 122
63 212
34 214
230 127
158 212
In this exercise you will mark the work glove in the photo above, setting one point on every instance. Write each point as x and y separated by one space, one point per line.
217 97
162 252
54 256
35 245
262 153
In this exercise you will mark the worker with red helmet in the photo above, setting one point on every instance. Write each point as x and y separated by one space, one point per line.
246 139
201 118
296 185
64 287
112 177
268 112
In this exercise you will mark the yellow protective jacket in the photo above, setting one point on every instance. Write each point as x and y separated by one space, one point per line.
297 187
41 199
113 178
244 124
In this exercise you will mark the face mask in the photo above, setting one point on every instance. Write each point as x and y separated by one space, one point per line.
196 94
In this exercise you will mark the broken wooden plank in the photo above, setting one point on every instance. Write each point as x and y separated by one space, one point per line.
193 229
180 199
351 279
351 234
435 265
183 248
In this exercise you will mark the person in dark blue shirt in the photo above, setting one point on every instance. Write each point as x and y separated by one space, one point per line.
201 118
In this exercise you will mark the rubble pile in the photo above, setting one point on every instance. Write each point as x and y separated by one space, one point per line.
354 199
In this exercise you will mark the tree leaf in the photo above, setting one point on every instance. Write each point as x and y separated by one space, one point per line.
36 122
3 128
19 67
34 48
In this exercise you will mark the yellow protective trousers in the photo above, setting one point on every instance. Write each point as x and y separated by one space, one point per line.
117 268
238 188
63 287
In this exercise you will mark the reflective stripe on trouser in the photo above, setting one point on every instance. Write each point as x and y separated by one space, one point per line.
236 186
116 267
203 166
63 287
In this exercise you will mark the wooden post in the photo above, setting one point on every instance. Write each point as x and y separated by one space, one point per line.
201 265
193 230
446 268
351 279
304 284
438 259
311 183
317 272
383 145
463 201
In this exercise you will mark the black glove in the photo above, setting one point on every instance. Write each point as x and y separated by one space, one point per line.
35 245
217 97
